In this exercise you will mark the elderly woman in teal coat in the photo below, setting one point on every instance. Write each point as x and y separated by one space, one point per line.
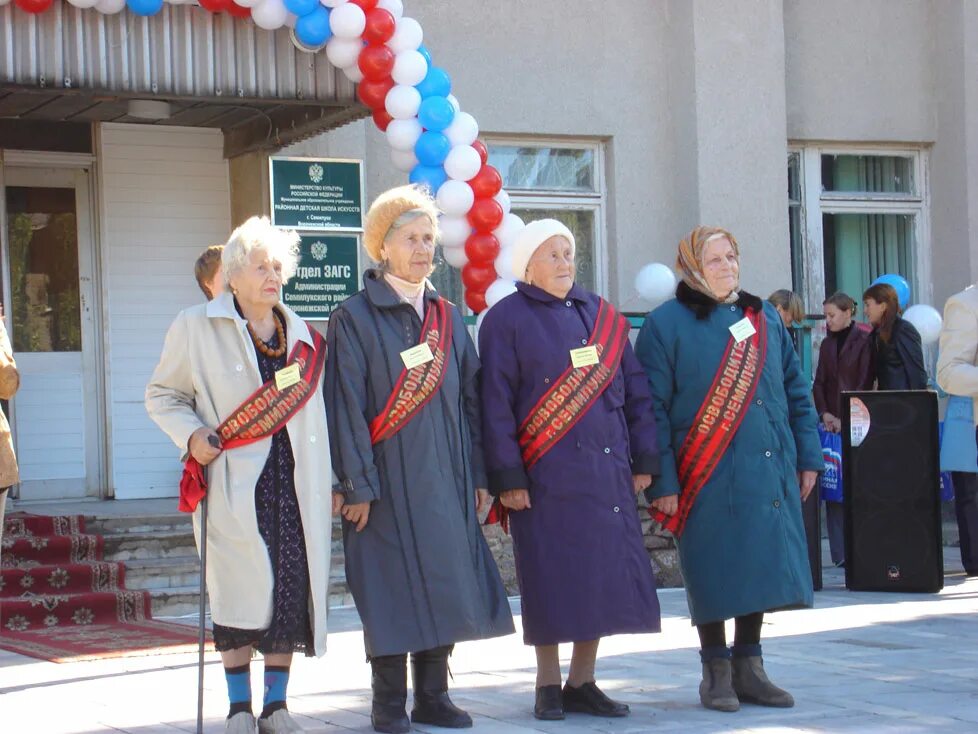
739 450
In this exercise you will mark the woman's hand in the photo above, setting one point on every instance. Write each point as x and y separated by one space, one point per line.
832 424
515 499
806 481
482 500
641 482
667 505
357 514
337 503
202 447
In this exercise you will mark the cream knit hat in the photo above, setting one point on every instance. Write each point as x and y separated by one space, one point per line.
531 237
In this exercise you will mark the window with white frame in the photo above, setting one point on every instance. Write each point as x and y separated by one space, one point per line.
855 214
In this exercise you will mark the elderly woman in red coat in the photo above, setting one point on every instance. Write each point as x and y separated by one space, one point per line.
845 362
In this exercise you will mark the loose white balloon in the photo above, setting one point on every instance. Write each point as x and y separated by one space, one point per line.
408 35
454 230
656 283
270 14
455 256
403 134
463 161
403 102
404 160
347 21
927 320
453 101
502 198
455 198
463 130
504 264
110 7
508 230
343 52
499 290
394 7
353 73
410 68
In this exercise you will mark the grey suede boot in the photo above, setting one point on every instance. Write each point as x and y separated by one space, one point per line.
752 685
716 689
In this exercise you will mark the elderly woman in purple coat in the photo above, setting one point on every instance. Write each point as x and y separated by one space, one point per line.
570 438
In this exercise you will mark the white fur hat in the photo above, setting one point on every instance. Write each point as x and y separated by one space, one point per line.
531 237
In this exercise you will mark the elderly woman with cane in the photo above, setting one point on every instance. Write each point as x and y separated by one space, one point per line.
239 390
740 451
401 385
573 440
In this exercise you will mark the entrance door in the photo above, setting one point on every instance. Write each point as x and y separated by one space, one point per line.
50 310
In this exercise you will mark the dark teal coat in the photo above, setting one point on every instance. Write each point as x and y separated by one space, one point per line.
743 549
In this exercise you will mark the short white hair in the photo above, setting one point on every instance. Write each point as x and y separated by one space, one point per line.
282 246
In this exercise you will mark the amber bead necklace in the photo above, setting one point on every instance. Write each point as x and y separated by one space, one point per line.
262 346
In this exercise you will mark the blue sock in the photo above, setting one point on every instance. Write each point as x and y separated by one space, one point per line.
276 683
239 689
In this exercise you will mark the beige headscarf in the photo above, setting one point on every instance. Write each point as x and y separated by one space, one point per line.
689 261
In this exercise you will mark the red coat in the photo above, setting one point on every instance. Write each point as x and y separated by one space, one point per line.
853 369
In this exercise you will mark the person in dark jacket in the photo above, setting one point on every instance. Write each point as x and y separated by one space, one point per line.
845 362
405 435
573 440
739 447
896 342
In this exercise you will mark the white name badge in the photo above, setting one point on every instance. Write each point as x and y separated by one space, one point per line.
287 377
743 329
417 355
584 357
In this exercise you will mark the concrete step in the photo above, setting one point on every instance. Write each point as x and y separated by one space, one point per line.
105 525
162 573
175 602
150 544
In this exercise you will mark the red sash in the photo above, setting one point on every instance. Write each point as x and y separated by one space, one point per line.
718 419
263 414
416 386
573 394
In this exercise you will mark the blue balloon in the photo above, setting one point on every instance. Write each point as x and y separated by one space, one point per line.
899 284
431 176
145 7
426 53
437 83
301 7
432 148
436 113
312 29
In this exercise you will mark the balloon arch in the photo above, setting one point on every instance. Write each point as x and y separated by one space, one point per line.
431 138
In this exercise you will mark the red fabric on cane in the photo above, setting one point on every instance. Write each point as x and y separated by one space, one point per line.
498 512
193 486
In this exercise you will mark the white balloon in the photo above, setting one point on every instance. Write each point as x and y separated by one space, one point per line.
403 134
455 198
394 7
479 319
463 162
76 3
463 130
352 72
453 101
454 231
656 283
347 21
248 3
343 52
504 263
110 7
410 67
333 3
927 320
404 160
403 102
270 14
455 256
508 230
290 20
502 198
501 288
408 35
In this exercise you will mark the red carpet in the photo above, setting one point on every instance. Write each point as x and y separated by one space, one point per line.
60 601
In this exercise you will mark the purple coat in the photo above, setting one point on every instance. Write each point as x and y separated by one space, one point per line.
581 562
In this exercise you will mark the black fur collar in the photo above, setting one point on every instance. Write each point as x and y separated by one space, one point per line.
702 305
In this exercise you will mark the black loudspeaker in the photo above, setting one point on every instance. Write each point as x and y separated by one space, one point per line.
811 513
891 486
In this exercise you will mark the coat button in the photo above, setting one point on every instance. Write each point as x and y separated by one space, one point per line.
617 508
607 450
733 308
583 341
767 454
567 303
777 503
312 439
546 380
239 367
760 402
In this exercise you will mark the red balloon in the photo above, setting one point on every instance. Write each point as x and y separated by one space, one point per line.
485 215
382 119
376 62
482 150
487 182
365 5
380 26
476 301
481 248
373 92
238 11
34 6
215 6
477 277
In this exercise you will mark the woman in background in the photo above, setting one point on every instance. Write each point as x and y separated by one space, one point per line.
896 342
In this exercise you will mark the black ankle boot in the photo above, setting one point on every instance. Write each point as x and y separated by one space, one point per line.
589 699
389 683
429 669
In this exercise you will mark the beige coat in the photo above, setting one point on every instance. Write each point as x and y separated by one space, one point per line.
957 365
207 369
9 382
